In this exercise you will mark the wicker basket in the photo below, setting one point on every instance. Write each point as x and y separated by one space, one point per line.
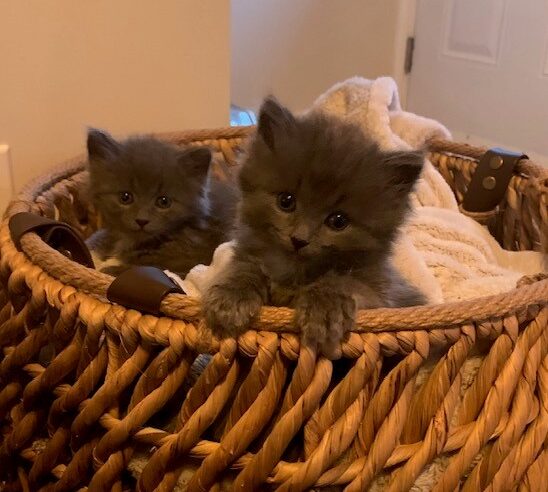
266 414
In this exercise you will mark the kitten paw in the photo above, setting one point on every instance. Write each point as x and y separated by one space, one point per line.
229 311
324 317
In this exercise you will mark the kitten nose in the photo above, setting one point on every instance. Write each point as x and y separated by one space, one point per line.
141 222
298 243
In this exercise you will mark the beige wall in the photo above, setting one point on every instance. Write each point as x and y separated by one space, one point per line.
124 65
297 49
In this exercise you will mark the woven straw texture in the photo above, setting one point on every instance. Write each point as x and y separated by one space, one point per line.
441 398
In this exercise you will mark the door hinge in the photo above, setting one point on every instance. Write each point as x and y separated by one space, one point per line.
409 50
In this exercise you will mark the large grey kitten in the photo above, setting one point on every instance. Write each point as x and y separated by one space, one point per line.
159 204
321 207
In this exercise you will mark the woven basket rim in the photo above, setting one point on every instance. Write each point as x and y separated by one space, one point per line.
276 319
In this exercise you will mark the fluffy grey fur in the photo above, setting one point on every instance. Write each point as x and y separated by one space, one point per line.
158 203
321 207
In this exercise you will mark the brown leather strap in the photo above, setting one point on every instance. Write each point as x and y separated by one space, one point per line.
58 235
490 181
142 288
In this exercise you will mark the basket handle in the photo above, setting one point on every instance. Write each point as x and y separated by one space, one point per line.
59 235
142 288
490 181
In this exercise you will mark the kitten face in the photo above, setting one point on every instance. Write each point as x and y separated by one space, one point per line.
316 191
143 187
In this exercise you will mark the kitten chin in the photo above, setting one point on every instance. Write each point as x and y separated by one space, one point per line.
160 205
319 184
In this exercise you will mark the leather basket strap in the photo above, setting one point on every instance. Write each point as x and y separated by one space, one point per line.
59 235
490 180
142 288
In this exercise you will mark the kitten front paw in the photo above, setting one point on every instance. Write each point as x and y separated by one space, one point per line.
229 310
324 317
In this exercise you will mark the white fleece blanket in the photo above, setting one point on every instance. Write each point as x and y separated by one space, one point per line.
446 254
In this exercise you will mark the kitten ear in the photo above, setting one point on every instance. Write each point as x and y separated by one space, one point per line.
274 120
405 168
196 161
101 145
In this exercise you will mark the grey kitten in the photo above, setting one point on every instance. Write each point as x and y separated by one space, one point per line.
321 208
158 203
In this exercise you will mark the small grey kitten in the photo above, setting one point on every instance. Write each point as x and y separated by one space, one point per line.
321 208
159 204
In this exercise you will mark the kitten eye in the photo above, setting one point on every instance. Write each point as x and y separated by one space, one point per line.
125 197
337 221
163 202
286 201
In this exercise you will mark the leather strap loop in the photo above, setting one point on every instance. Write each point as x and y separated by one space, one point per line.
58 235
142 288
490 180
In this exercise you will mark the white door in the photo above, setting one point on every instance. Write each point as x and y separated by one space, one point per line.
481 68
